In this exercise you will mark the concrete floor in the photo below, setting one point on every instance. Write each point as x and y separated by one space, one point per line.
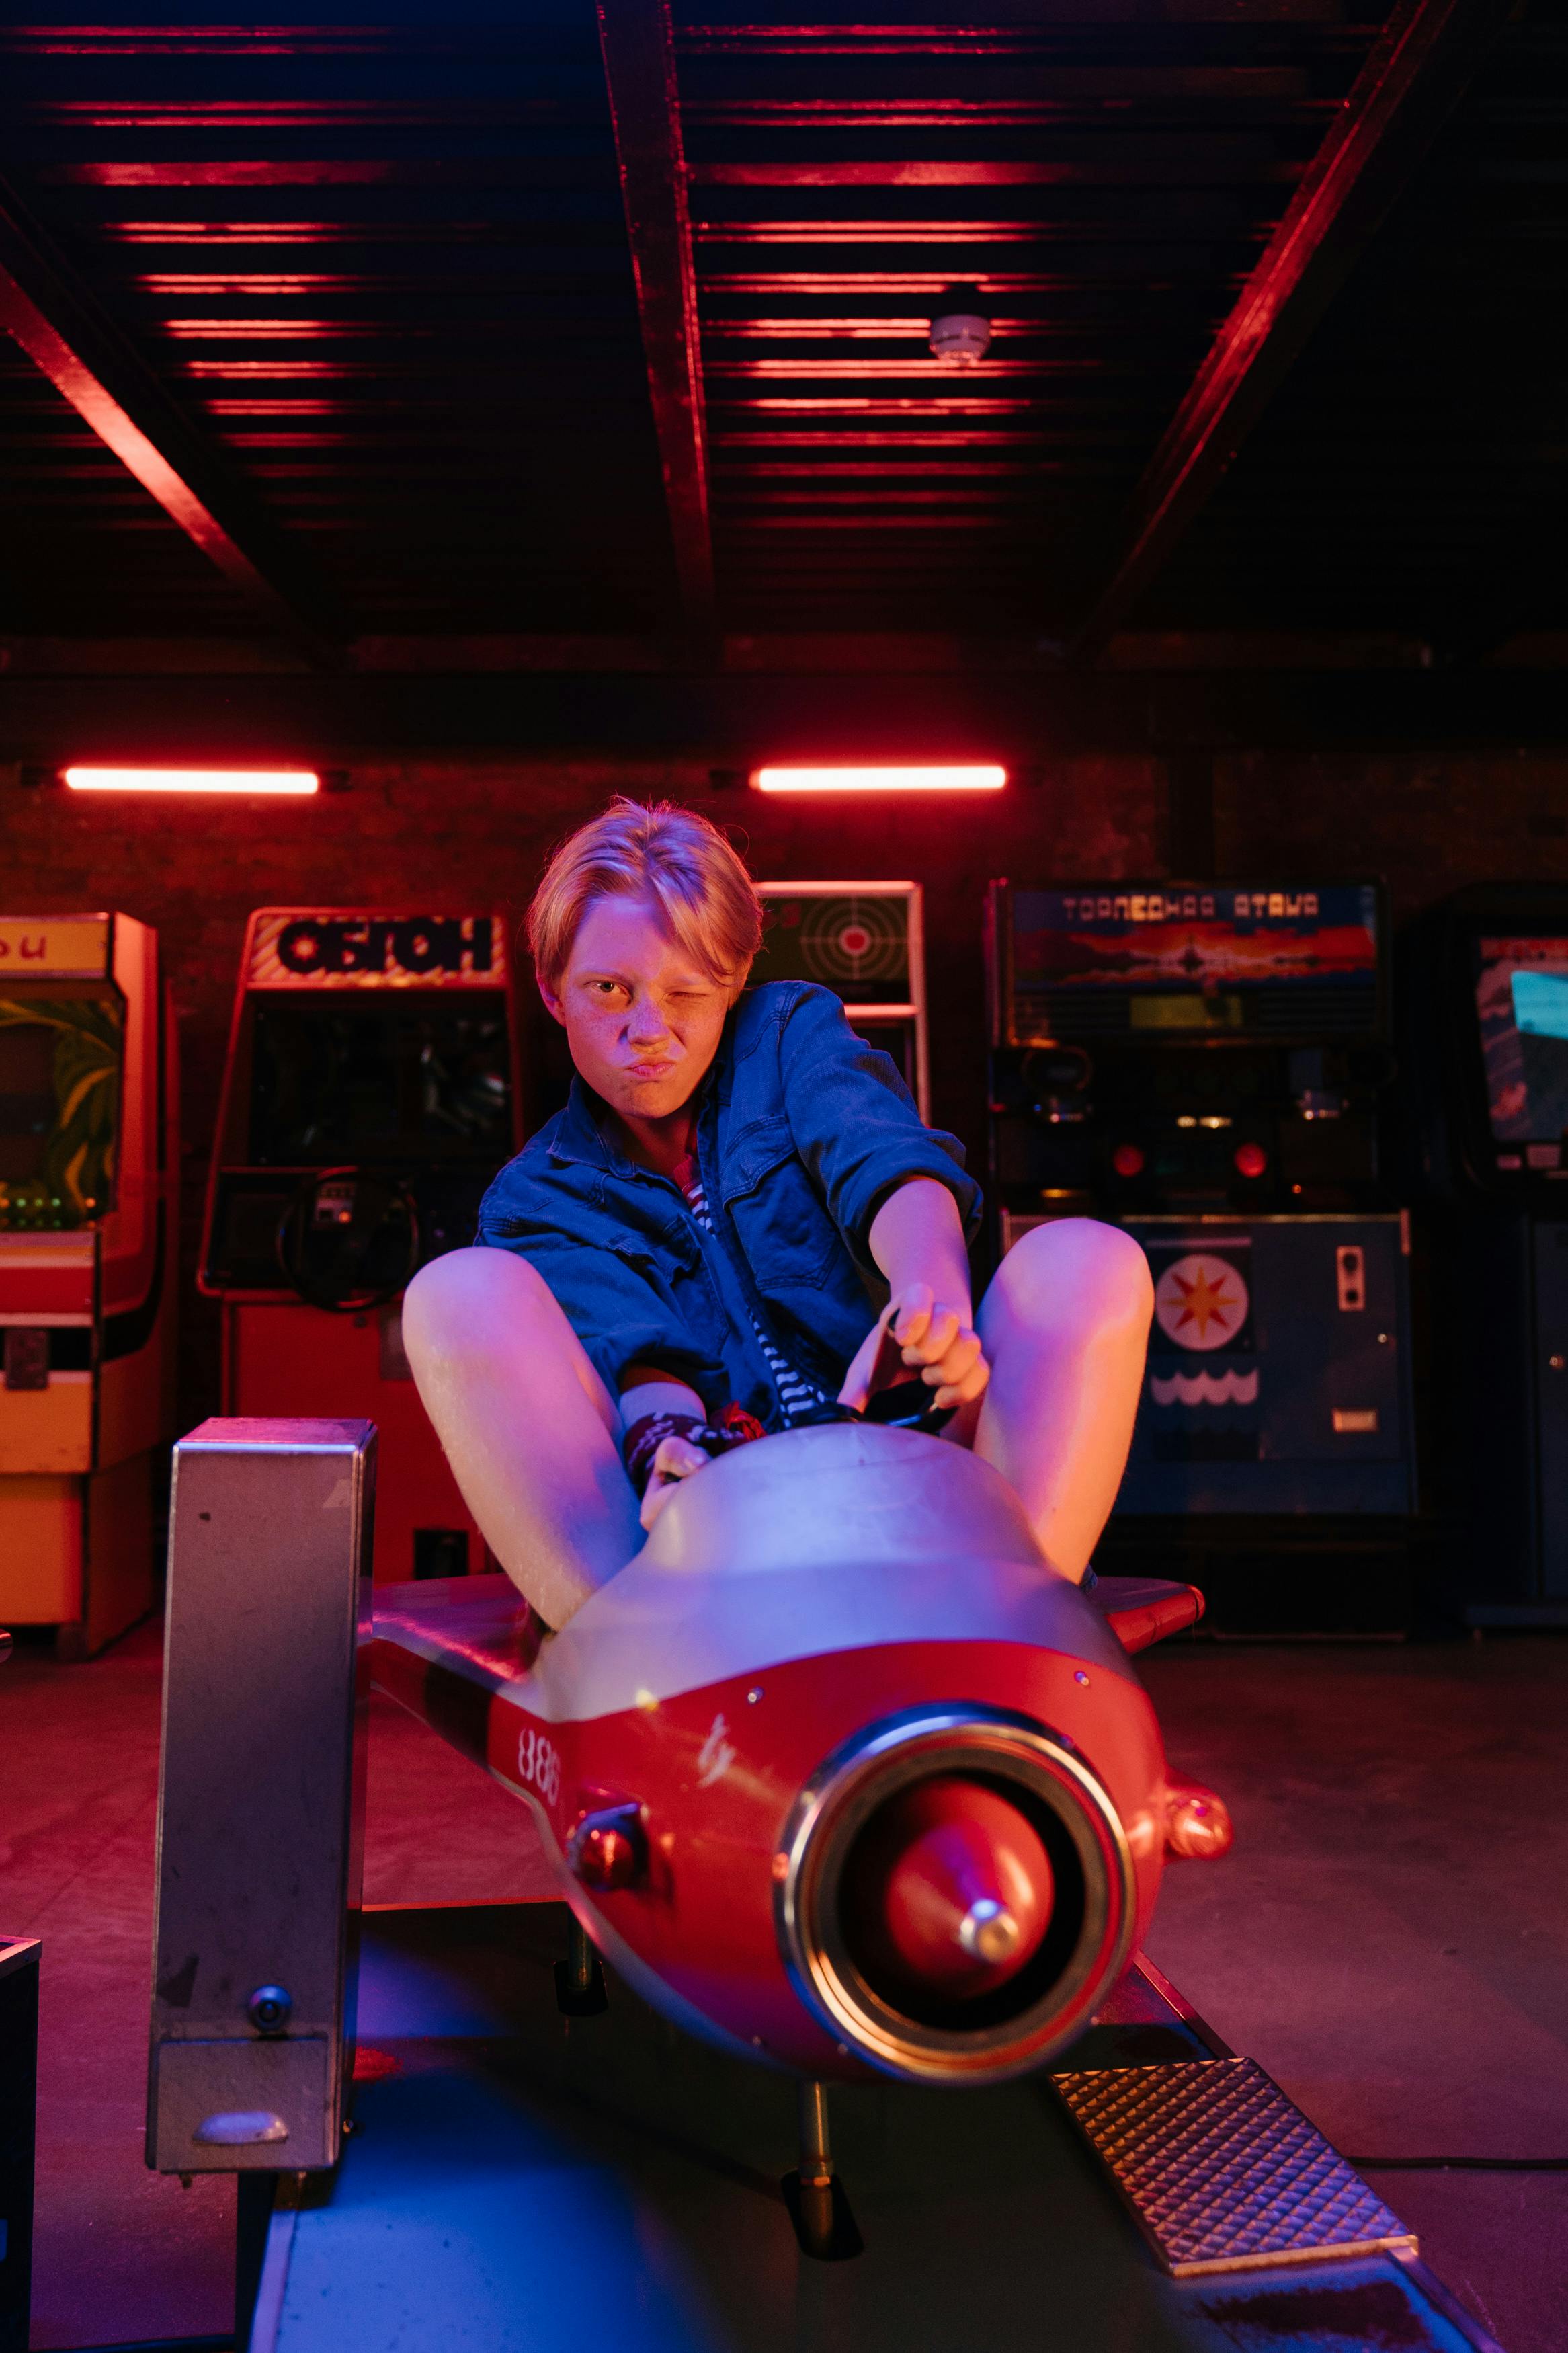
118 2252
1390 1940
1390 1935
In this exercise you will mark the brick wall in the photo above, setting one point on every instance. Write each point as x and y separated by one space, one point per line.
476 830
1428 822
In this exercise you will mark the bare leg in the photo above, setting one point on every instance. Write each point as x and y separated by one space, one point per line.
528 1428
1065 1326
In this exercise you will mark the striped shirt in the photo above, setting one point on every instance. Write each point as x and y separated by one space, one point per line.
796 1395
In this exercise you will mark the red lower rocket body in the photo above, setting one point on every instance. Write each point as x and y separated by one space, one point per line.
915 1823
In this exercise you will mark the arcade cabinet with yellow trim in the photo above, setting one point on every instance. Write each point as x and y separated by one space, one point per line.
89 1169
369 1095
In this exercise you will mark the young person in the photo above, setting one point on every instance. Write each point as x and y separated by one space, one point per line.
738 1224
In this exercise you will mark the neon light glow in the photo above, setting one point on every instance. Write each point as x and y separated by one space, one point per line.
880 780
193 780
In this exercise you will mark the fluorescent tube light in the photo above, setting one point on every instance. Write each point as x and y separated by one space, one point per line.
880 780
193 780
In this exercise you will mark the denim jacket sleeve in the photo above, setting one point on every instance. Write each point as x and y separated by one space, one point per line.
618 1301
854 1122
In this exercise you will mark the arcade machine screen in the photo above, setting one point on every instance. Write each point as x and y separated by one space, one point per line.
378 1081
27 1098
59 1101
1195 963
1521 1007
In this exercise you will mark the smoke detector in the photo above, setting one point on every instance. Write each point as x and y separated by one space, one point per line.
959 328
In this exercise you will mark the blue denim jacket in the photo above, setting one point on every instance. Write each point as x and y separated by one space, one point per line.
803 1129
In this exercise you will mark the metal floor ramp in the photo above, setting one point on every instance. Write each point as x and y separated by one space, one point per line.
515 2183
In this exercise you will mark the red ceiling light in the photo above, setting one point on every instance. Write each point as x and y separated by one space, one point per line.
193 780
880 780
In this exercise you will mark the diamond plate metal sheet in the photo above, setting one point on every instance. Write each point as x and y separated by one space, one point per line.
1223 2173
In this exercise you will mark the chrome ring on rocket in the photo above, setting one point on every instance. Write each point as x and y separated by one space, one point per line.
954 1894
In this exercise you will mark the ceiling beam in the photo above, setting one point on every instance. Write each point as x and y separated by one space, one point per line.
60 327
638 47
805 653
1417 70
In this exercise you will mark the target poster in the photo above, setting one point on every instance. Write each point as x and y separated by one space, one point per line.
856 941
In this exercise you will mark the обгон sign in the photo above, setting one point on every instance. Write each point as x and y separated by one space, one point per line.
295 947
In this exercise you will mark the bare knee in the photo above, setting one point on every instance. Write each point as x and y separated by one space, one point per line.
481 1321
463 1301
1081 1270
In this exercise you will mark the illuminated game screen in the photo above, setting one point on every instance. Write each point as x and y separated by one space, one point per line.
341 1079
60 1106
1522 1002
27 1106
1228 960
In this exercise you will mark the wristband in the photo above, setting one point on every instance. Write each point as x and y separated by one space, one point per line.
733 1426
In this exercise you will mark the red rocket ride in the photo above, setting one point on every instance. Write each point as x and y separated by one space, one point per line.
839 1771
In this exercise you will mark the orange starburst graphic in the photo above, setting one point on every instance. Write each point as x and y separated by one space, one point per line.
1204 1301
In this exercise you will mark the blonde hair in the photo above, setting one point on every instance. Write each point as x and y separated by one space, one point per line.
705 897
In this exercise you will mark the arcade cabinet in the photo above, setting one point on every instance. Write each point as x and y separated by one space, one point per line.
370 1094
1487 1041
865 942
88 1243
1206 1065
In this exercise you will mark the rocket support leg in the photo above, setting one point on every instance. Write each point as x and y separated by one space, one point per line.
815 2171
823 2222
579 1980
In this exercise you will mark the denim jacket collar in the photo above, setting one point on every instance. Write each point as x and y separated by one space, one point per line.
580 1137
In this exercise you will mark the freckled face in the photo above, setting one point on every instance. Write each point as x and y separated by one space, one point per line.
643 1021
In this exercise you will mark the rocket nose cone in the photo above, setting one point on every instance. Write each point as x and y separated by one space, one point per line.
949 1890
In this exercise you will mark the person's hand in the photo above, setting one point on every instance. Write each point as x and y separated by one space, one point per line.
677 1459
917 1329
